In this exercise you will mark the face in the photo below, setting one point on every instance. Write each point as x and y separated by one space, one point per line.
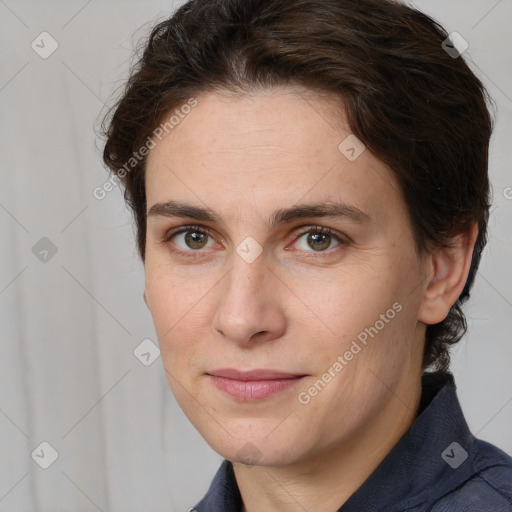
281 275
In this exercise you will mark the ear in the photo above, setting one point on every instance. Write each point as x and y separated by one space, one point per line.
145 298
449 269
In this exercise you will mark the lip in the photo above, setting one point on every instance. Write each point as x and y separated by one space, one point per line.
257 374
253 385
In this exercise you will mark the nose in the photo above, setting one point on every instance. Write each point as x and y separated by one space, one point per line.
249 310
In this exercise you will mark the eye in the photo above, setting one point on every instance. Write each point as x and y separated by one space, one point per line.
318 238
190 239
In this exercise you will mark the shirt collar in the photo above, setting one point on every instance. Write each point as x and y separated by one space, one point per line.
420 467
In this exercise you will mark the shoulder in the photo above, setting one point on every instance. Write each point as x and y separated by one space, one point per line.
488 489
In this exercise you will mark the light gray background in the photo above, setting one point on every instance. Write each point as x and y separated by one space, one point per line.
69 326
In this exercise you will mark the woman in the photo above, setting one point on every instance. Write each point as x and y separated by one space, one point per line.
309 182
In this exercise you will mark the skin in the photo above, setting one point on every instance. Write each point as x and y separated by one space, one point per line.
295 308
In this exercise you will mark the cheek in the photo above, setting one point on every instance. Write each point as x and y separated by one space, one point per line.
174 311
174 299
369 314
353 299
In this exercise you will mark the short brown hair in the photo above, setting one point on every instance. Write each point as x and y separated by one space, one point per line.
418 109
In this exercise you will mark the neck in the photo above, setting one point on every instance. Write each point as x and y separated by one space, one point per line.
326 481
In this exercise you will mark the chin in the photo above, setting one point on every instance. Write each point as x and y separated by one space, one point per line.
255 450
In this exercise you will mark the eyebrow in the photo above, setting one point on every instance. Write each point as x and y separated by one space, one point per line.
337 209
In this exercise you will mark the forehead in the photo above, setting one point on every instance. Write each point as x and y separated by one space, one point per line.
282 145
281 118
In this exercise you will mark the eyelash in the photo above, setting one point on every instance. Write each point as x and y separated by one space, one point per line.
317 230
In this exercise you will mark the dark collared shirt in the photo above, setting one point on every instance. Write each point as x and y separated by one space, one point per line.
437 466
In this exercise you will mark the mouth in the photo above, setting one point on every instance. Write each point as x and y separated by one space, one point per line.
253 385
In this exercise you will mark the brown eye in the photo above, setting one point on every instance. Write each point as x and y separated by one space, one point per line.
319 239
195 239
189 238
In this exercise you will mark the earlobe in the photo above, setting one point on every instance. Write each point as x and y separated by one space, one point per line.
449 272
